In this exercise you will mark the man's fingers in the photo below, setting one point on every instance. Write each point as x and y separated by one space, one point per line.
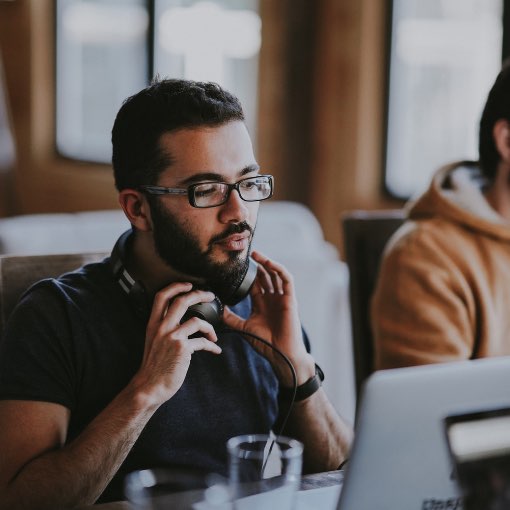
202 344
281 278
195 325
162 298
171 316
180 304
277 282
231 319
264 280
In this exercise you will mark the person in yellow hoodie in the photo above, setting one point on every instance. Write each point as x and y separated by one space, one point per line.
443 292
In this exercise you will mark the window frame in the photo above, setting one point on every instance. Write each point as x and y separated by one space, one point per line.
505 53
150 53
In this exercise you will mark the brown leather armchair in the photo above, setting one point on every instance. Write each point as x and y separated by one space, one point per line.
365 236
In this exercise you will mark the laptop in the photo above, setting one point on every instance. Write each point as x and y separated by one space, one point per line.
479 446
400 459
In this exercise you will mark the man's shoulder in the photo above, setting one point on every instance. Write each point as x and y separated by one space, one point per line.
95 272
434 232
81 299
436 243
82 281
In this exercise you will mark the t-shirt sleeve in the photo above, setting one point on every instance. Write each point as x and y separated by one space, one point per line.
36 355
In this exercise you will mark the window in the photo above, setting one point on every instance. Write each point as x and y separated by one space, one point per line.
110 49
444 57
209 41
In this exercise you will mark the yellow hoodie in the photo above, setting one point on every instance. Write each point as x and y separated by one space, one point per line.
443 292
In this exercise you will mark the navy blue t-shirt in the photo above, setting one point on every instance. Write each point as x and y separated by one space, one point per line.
77 341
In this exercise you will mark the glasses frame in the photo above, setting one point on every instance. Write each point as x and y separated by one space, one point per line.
190 190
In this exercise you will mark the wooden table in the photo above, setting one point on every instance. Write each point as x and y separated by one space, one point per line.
308 482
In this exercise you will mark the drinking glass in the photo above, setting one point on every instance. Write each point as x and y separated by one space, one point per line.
264 471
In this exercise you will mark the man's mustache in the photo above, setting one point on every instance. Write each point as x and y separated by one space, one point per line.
234 228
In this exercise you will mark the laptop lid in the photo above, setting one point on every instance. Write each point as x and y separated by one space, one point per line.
399 459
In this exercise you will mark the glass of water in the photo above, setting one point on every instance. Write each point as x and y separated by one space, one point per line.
264 471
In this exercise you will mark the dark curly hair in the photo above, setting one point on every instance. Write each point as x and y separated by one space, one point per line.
164 106
496 108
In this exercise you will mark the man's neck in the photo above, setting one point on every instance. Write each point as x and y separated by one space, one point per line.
498 193
144 264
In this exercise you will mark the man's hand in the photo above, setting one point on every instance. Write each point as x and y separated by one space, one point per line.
40 471
168 348
275 318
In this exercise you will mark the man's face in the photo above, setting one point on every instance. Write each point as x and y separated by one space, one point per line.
211 243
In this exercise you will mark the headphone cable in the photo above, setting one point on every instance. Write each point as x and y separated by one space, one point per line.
294 383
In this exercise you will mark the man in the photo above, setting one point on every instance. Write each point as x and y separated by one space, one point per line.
444 287
102 372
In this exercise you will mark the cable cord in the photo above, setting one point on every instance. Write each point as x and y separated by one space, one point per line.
294 383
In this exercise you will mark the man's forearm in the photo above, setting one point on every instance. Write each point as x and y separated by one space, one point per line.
326 437
78 473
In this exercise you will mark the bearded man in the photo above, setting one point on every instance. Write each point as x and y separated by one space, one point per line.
104 370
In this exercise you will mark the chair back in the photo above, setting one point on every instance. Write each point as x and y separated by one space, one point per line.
19 272
365 236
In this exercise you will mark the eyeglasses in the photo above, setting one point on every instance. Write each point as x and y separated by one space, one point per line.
213 194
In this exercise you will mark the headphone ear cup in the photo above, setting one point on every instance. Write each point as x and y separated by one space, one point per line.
133 288
246 283
211 312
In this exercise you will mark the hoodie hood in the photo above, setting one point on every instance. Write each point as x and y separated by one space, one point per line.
456 194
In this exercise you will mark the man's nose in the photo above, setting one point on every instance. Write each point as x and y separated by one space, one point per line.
234 210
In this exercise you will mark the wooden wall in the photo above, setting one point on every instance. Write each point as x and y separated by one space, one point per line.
321 108
42 181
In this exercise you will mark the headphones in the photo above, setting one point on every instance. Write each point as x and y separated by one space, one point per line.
210 312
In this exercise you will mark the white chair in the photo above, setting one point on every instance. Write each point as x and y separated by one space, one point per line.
291 234
43 234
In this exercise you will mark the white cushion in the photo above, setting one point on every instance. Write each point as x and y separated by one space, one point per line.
40 234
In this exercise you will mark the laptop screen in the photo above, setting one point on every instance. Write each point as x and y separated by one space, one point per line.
399 458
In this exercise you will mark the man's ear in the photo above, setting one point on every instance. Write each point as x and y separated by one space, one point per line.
501 134
136 208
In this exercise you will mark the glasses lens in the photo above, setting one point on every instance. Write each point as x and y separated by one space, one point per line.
209 194
255 188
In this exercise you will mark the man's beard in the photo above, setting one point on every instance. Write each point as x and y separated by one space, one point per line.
181 251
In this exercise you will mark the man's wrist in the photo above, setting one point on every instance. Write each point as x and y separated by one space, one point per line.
305 390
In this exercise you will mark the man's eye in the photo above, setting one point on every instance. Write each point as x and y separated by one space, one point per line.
248 185
206 190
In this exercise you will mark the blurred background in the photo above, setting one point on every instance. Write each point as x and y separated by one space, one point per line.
351 104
